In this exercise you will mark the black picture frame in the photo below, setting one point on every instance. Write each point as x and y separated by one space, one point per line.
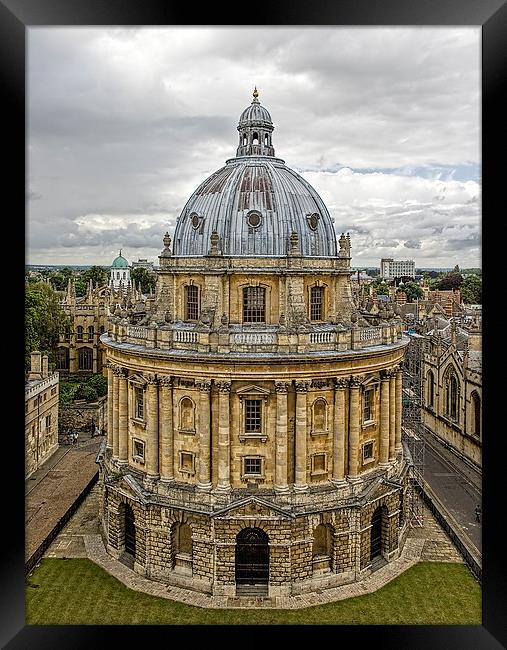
16 16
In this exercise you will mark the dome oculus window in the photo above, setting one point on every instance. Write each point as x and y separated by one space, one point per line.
195 220
313 220
254 219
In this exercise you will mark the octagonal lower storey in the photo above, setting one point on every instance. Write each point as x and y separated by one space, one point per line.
254 543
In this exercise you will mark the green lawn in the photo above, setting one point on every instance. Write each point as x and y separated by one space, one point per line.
78 592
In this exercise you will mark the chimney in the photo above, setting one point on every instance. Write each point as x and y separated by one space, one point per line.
45 370
35 366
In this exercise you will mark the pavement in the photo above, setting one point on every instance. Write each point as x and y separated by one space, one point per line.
457 485
54 489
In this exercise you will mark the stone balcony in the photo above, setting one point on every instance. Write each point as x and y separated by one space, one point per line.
254 338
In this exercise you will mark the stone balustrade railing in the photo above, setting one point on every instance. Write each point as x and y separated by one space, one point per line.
238 339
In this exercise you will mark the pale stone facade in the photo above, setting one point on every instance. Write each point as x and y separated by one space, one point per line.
447 359
41 413
255 410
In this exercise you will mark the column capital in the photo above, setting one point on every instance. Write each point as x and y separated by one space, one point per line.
385 375
355 381
341 383
203 385
151 379
223 386
302 385
167 382
282 386
120 372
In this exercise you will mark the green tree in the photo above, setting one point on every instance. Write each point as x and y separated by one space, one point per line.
45 320
147 279
413 291
97 274
471 290
450 281
81 286
99 383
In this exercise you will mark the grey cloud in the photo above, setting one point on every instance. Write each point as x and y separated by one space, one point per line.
412 244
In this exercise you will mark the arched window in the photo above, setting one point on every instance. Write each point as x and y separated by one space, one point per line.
322 548
244 140
431 388
254 305
266 140
191 302
187 412
319 415
79 331
316 302
476 414
453 397
255 138
91 333
85 358
62 359
124 275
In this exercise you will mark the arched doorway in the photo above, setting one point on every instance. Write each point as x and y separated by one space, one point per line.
252 558
376 534
130 531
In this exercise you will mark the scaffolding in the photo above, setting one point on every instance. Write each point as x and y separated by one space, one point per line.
412 426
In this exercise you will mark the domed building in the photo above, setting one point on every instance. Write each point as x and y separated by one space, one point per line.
120 273
254 444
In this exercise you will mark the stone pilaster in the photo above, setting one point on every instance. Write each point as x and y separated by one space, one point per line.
123 435
224 446
392 414
399 410
354 410
152 464
339 431
165 409
109 406
281 388
204 424
116 437
384 419
302 387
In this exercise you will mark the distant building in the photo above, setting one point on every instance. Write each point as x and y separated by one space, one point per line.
41 413
143 264
390 268
120 273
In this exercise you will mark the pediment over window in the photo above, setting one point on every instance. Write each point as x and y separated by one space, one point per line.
370 382
254 391
137 379
251 507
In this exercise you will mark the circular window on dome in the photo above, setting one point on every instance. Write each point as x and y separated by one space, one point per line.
313 220
254 219
195 220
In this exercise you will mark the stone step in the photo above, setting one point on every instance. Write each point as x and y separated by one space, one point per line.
252 590
377 563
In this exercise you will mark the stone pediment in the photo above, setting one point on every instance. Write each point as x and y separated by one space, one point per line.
252 506
130 488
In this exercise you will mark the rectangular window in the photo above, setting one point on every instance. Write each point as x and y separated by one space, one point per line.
254 305
316 303
48 421
319 464
368 405
253 415
252 466
139 403
368 451
192 302
138 450
187 462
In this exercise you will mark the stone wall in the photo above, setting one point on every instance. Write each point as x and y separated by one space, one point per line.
81 415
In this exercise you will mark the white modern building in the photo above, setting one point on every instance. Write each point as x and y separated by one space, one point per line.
390 268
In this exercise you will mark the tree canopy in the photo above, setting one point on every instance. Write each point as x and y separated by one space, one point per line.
147 279
471 290
44 320
448 282
413 291
97 274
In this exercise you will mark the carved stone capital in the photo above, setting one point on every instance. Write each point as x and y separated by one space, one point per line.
151 380
223 386
203 385
282 387
355 381
120 372
385 375
302 385
320 383
341 383
165 381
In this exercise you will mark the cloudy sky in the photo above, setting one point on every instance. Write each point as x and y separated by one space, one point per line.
124 123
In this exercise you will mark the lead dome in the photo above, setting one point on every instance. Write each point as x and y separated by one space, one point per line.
255 203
